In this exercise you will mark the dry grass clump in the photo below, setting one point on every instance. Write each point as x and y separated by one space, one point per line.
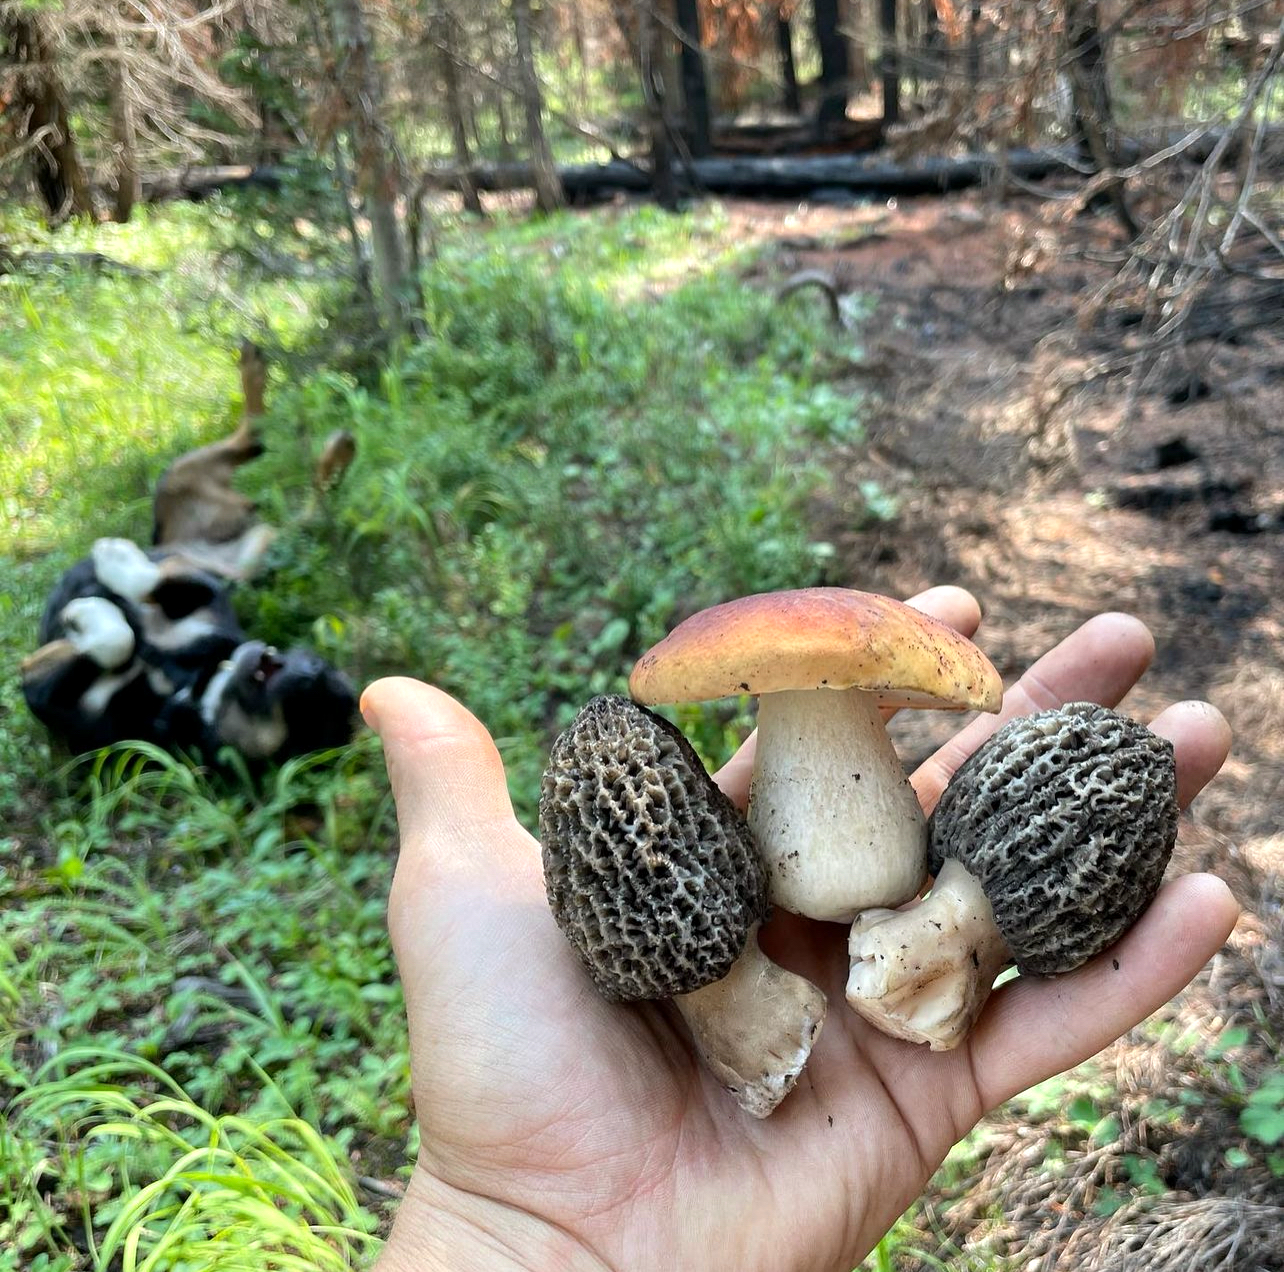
1253 700
1166 1180
1215 1234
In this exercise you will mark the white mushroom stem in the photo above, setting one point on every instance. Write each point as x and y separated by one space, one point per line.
755 1028
924 974
836 821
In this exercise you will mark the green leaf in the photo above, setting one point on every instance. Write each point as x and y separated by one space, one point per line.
1228 1041
1263 1122
1107 1130
1083 1111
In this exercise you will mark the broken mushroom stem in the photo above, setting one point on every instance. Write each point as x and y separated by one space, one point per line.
923 974
652 875
1047 844
836 821
755 1027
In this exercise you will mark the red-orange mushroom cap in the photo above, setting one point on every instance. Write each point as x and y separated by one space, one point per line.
836 821
818 638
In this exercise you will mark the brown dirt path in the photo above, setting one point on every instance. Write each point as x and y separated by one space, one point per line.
1036 484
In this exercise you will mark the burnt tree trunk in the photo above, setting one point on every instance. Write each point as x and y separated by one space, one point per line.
928 76
377 165
1097 136
889 62
789 99
548 187
664 186
782 176
441 32
695 86
973 49
835 66
39 103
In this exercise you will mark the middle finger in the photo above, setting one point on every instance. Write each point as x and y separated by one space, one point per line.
1099 662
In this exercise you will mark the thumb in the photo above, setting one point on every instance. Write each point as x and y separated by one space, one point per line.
454 814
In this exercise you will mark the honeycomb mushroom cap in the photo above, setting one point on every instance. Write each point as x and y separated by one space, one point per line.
1067 818
650 870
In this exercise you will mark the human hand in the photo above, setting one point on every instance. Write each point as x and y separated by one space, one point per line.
560 1131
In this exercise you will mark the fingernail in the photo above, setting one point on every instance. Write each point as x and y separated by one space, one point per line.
368 712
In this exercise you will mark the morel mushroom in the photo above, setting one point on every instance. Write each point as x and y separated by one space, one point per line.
831 809
652 874
1047 845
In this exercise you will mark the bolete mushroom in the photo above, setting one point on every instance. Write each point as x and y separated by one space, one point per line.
1046 846
835 819
652 875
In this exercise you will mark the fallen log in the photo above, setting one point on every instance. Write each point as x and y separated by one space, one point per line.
200 182
776 176
53 262
798 137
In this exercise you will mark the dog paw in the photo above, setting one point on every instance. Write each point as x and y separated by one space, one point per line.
124 568
98 630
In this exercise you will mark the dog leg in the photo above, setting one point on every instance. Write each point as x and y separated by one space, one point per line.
124 568
98 630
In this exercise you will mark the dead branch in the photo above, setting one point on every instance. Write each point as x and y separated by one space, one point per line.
1171 268
814 278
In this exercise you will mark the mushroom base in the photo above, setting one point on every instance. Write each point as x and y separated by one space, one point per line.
923 974
755 1028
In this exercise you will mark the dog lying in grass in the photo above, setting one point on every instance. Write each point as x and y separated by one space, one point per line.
145 646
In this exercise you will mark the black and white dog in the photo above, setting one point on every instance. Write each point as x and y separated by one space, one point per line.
139 645
145 646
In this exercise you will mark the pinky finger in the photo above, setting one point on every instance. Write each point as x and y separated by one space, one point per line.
1034 1028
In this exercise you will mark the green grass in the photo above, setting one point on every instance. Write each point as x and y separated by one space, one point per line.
200 1021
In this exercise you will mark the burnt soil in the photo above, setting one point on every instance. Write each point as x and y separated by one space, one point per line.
1055 489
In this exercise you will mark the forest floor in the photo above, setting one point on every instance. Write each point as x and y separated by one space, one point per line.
1053 493
954 432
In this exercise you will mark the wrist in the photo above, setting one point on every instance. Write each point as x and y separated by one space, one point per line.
439 1228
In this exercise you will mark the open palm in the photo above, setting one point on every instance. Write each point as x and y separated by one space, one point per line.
562 1132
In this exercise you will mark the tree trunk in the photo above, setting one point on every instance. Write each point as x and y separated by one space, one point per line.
783 176
377 166
695 87
928 77
789 100
889 61
973 50
834 64
1097 136
548 188
125 135
664 185
39 103
505 135
581 48
440 30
